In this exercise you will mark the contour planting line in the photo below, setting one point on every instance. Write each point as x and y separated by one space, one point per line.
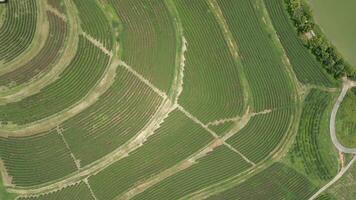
191 160
60 133
233 48
58 118
277 154
296 84
54 74
178 82
56 12
100 164
98 44
184 164
143 79
36 45
214 6
196 120
45 193
91 191
181 47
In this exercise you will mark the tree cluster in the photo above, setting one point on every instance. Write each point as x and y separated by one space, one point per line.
313 39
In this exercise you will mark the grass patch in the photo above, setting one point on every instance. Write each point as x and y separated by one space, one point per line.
346 120
4 195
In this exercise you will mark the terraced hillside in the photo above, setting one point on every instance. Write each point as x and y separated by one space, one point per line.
152 99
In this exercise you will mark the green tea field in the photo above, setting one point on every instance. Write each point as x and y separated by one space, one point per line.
174 99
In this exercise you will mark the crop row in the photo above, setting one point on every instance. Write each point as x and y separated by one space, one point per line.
220 164
94 22
176 139
18 28
148 39
262 63
44 59
78 191
307 69
212 86
119 114
262 135
33 160
84 71
310 148
276 182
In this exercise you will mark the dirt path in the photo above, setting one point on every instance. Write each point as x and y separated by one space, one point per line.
143 79
56 12
233 48
347 84
336 178
97 44
91 191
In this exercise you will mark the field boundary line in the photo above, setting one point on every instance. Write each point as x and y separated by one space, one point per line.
97 43
60 133
225 28
91 191
233 49
143 79
196 120
56 12
222 121
178 82
238 152
336 178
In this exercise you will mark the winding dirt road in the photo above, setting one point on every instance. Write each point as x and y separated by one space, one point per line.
347 85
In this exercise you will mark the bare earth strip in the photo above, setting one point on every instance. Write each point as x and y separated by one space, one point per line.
68 54
143 79
97 44
56 12
76 161
233 48
223 24
234 119
91 191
